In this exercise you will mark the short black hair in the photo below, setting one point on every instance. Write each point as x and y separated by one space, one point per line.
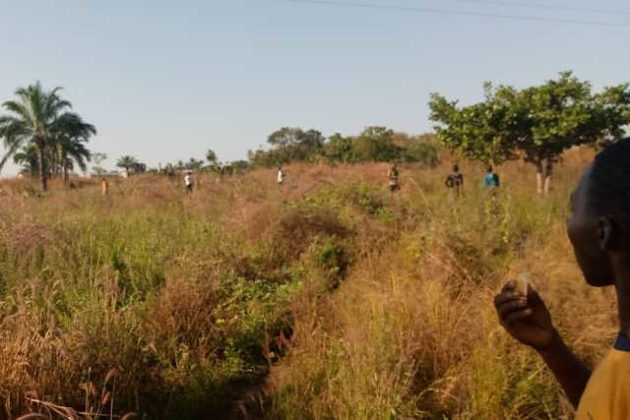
489 168
455 168
609 181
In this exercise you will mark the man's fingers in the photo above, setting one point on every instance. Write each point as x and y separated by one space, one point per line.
517 316
511 306
507 296
510 285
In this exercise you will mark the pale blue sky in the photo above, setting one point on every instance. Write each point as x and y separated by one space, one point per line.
167 80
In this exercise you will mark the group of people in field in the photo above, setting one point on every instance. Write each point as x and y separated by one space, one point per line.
454 180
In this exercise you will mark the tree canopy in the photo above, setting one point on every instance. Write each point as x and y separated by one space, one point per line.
537 123
374 144
39 120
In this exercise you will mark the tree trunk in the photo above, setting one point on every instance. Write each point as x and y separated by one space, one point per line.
43 175
539 177
548 171
65 174
547 184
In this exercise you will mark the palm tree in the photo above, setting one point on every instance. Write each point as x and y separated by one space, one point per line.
27 157
69 142
127 162
38 117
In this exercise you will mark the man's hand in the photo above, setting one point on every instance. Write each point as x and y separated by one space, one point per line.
527 319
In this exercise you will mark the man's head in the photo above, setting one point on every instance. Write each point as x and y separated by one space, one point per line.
489 169
455 168
600 212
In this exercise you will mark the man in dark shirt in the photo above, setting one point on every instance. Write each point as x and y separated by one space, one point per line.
455 180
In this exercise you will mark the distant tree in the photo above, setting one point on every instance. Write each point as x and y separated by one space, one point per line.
376 144
127 162
537 123
418 149
37 117
193 164
98 159
295 144
69 144
139 168
338 149
211 157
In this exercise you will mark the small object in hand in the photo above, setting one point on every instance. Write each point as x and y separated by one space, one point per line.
522 283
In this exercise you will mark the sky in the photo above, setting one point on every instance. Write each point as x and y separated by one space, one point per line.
166 80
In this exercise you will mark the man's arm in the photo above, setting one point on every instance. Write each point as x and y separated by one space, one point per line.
570 372
528 320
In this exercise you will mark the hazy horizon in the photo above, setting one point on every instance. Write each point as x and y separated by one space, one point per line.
165 82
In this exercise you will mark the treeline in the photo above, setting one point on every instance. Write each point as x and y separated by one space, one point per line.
374 144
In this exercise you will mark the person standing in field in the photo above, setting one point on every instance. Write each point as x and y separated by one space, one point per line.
280 176
104 186
392 175
455 180
491 180
190 182
599 230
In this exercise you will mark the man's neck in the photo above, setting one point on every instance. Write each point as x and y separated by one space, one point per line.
621 272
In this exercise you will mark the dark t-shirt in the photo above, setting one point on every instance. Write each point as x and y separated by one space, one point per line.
454 180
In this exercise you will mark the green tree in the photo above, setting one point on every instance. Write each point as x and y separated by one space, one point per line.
127 162
537 123
193 164
338 149
68 144
36 117
487 131
376 144
98 159
27 158
211 157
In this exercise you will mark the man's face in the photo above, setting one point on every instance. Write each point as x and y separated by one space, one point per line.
584 234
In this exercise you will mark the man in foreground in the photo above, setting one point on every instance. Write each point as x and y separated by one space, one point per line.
599 231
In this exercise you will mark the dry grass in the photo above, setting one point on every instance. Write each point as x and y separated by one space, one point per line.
336 298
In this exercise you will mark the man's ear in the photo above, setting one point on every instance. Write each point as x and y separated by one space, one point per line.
607 233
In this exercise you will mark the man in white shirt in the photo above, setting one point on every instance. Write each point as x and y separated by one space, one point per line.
280 176
190 182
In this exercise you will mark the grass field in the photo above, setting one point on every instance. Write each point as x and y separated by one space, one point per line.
326 298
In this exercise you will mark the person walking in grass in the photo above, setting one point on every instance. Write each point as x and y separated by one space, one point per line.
190 182
599 230
104 186
455 180
280 176
392 176
491 180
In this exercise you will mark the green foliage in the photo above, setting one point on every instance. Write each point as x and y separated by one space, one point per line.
374 144
211 157
40 119
131 164
289 145
537 123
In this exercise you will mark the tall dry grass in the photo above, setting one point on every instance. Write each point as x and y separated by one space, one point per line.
327 297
